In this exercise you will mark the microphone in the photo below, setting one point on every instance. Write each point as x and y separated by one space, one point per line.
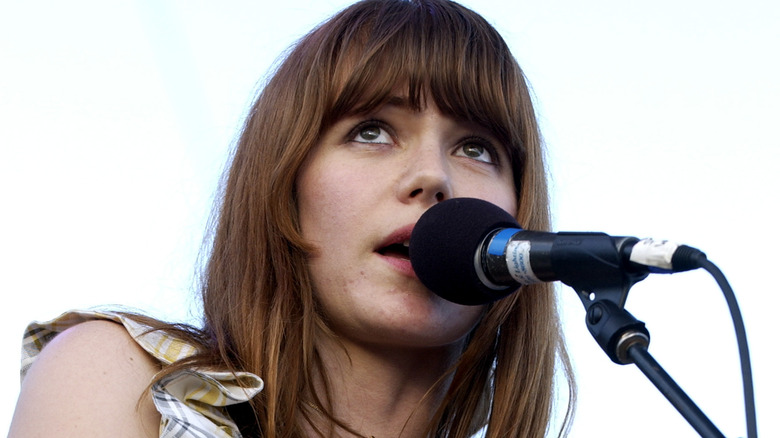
472 252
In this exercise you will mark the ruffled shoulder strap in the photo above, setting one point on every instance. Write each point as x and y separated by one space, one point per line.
190 401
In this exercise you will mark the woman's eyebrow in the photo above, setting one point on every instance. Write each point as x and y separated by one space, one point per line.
401 102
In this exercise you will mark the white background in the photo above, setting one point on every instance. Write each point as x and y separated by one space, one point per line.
661 119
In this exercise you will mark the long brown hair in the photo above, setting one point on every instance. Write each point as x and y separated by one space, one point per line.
260 314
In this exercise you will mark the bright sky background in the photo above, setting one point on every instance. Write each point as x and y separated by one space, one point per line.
661 119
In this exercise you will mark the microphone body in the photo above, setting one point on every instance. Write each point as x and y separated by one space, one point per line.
515 257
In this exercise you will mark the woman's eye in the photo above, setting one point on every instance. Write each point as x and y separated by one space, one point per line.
477 152
371 134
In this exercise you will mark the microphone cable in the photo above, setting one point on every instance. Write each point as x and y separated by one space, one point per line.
742 345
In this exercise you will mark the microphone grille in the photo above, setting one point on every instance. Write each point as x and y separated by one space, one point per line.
443 245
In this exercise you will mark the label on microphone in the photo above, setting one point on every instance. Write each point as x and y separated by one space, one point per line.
656 253
518 261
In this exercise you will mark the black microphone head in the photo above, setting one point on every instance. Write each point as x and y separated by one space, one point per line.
444 243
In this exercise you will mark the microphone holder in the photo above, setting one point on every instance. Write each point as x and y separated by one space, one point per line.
625 340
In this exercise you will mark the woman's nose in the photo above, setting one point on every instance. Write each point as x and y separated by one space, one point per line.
426 177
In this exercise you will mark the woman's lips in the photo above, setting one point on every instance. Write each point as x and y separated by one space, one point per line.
404 266
394 249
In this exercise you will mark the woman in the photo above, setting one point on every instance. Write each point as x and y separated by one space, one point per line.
314 322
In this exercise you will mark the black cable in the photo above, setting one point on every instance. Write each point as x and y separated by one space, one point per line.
742 345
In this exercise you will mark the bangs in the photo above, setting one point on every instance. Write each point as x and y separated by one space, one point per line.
427 50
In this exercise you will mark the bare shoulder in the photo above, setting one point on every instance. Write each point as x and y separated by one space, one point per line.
89 381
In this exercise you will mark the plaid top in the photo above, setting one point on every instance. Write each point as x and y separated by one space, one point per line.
192 401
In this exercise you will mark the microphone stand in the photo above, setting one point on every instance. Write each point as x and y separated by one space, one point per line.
597 268
625 340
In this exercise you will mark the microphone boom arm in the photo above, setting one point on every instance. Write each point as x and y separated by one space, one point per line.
624 338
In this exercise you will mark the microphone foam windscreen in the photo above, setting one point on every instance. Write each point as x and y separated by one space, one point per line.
444 243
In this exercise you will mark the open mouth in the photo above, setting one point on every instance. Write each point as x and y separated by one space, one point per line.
397 250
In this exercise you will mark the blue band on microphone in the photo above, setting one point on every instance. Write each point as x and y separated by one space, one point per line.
499 241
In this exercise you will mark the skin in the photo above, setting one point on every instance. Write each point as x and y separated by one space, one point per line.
363 187
87 383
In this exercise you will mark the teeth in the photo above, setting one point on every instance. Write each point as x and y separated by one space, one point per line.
406 243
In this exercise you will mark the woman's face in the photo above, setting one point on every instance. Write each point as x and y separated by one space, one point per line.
361 191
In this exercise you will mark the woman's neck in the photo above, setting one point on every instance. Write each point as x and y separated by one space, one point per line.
382 391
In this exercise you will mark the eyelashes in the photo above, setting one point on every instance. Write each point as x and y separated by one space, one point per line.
473 147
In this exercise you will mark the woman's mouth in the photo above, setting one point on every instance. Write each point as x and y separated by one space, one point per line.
396 250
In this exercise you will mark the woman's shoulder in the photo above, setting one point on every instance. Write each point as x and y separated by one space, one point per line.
90 379
88 372
157 343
